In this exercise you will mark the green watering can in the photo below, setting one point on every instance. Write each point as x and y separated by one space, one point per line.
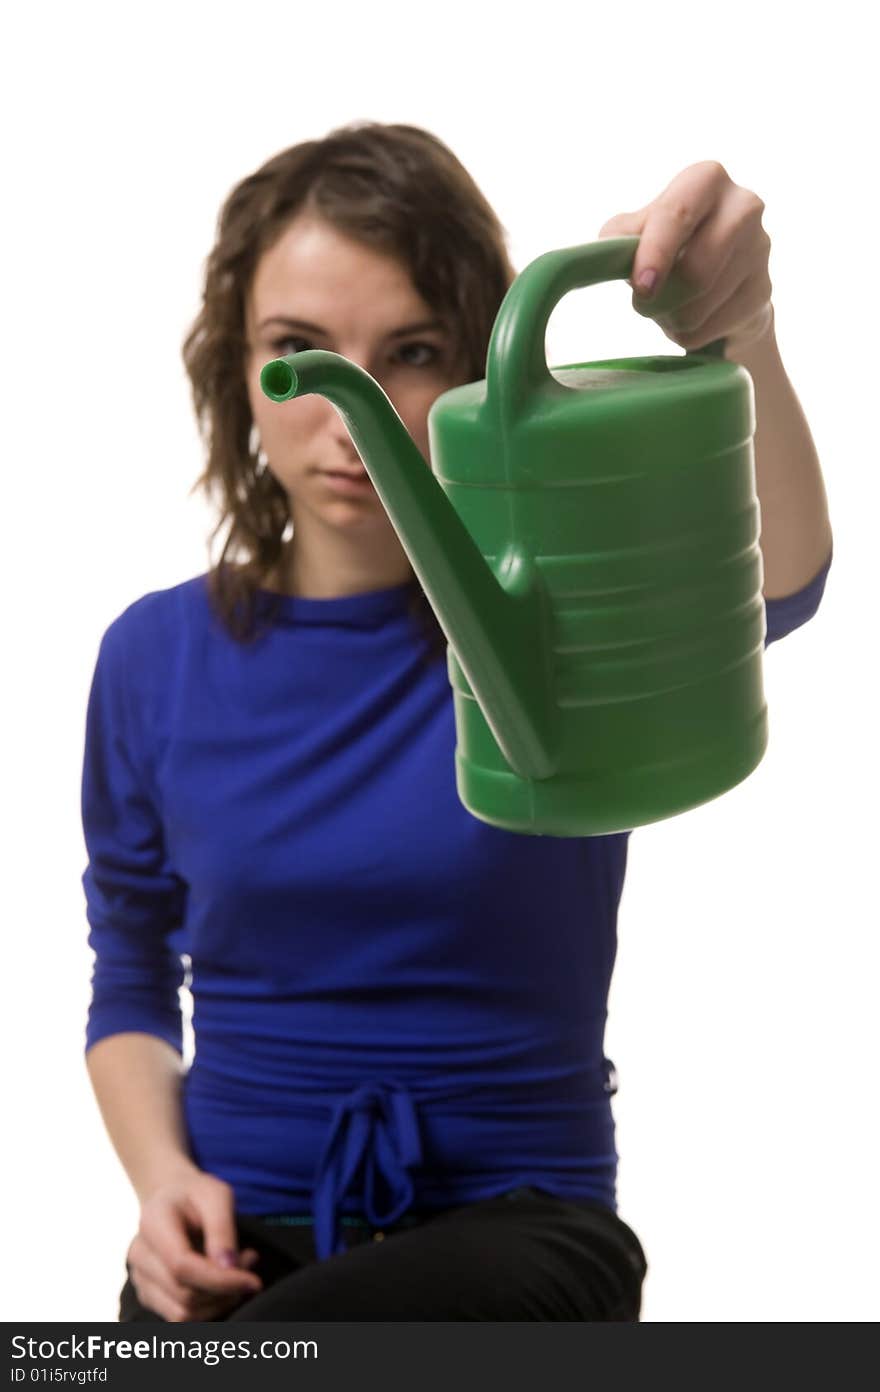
588 540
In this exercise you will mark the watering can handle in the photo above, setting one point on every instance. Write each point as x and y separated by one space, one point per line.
516 364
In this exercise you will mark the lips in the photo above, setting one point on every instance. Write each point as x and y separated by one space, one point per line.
355 482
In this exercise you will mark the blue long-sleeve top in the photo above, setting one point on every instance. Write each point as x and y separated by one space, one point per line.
395 1004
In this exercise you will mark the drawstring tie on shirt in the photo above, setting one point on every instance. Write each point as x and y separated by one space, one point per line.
375 1123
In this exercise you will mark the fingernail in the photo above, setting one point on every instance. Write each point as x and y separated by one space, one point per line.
228 1258
647 281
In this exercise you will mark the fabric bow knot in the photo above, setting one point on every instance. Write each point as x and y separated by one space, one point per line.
375 1124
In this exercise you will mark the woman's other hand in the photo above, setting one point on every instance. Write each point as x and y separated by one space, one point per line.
183 1262
711 230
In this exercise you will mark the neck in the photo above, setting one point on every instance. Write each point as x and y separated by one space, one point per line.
334 569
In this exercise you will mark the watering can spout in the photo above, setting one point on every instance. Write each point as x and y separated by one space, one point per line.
493 622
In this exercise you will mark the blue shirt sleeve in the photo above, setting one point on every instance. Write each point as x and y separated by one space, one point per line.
134 899
791 611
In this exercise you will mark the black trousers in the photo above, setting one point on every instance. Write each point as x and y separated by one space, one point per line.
524 1255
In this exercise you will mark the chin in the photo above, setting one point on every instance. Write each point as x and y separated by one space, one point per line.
362 515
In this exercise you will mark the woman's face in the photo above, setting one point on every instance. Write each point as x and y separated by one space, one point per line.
316 288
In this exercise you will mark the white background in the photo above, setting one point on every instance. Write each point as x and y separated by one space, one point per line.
742 1017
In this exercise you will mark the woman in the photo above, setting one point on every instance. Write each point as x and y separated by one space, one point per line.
399 1105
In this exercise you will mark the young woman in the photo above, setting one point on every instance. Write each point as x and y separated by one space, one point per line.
399 1105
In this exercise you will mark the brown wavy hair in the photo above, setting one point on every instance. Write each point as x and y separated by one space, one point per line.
395 188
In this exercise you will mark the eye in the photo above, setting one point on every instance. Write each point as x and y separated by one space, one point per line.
282 347
433 353
285 346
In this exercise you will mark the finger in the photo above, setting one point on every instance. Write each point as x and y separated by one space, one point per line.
165 1231
148 1271
672 219
161 1293
624 225
730 247
747 306
154 1298
147 1268
211 1207
204 1275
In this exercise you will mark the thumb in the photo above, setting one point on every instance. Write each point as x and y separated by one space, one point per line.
623 225
215 1206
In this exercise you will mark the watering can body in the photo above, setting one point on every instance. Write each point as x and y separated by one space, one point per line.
589 542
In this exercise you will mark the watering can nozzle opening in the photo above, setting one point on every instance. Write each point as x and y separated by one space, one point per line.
279 380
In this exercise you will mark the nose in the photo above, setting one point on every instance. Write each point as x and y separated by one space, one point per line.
345 446
347 452
333 428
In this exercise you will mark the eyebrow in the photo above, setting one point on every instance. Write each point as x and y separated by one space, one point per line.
421 327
